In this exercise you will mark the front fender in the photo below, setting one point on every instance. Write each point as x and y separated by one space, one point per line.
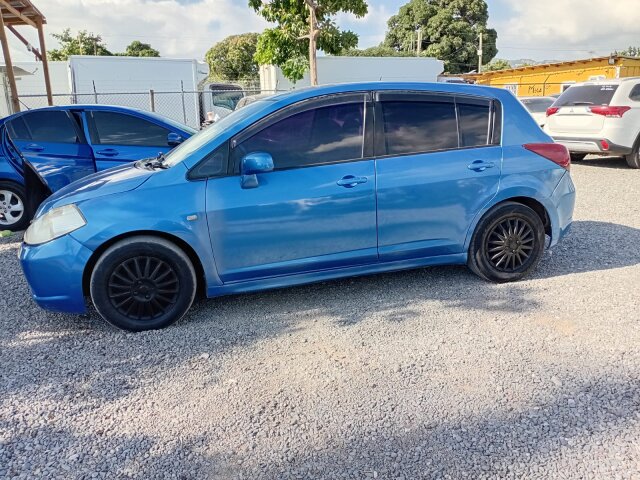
157 207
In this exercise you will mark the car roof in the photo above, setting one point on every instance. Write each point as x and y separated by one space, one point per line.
440 87
610 81
110 108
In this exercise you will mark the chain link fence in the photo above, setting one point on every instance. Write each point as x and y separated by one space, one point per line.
193 108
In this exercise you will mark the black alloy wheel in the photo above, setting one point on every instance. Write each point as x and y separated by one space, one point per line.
143 287
143 283
507 244
510 244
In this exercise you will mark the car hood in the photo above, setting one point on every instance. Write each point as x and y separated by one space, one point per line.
115 180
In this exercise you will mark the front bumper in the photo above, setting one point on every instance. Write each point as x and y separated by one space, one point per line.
592 145
54 272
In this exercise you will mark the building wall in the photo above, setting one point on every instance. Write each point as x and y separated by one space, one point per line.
540 80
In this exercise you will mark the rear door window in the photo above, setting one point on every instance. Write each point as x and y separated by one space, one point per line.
416 126
586 95
112 128
53 126
474 118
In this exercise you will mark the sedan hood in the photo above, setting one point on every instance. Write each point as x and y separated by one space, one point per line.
115 180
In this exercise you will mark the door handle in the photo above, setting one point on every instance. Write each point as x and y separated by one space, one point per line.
480 165
108 152
34 147
351 181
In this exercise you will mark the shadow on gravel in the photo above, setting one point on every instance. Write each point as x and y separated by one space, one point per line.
592 246
617 163
61 356
496 444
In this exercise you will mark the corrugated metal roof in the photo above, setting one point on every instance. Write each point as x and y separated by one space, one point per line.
526 68
20 12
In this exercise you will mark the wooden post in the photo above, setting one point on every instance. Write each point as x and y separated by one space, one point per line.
313 36
15 102
45 62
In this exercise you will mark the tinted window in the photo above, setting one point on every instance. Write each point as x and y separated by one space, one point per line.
324 135
18 129
122 129
635 93
474 124
586 95
412 127
214 165
50 126
537 105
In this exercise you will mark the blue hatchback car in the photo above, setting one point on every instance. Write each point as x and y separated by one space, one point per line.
310 185
63 144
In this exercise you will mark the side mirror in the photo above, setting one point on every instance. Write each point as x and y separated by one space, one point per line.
173 139
253 164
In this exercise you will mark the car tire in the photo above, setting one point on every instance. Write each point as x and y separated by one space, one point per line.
13 208
633 159
578 157
507 244
143 283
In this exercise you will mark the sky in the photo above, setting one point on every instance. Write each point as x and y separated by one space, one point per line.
538 30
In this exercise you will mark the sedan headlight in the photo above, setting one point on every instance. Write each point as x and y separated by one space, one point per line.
53 224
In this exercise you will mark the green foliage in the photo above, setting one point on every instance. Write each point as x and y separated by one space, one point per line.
379 51
450 31
88 43
139 49
630 52
232 59
286 46
84 43
497 64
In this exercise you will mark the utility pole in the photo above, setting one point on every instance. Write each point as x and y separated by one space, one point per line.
313 41
480 55
419 45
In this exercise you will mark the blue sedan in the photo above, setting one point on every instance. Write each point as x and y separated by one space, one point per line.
58 145
306 186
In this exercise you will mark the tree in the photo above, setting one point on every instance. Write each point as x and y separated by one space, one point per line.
139 49
497 64
232 59
303 25
84 43
379 51
630 52
448 29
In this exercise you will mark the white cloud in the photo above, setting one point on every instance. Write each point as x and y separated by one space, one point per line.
568 28
177 30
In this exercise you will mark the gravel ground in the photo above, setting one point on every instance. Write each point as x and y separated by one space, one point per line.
423 374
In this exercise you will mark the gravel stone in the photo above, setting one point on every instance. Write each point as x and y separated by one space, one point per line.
429 373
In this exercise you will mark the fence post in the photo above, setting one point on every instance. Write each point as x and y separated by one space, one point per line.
184 107
152 100
95 94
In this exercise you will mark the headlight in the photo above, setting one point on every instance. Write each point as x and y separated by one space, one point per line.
53 224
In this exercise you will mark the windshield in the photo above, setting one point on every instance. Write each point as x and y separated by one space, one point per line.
586 95
202 138
537 105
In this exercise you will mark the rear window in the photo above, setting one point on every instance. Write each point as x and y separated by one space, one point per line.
537 105
587 95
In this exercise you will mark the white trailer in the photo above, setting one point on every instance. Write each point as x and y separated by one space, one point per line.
358 69
127 81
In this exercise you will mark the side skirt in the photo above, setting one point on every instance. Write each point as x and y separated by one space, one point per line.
332 274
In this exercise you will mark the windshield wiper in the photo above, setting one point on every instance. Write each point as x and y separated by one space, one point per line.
157 162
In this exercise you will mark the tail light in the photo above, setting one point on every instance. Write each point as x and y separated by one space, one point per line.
555 152
611 112
552 110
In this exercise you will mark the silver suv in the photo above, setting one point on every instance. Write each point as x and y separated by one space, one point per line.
600 117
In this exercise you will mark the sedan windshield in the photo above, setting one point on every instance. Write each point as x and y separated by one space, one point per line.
200 139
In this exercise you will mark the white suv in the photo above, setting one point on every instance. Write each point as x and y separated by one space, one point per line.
601 117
